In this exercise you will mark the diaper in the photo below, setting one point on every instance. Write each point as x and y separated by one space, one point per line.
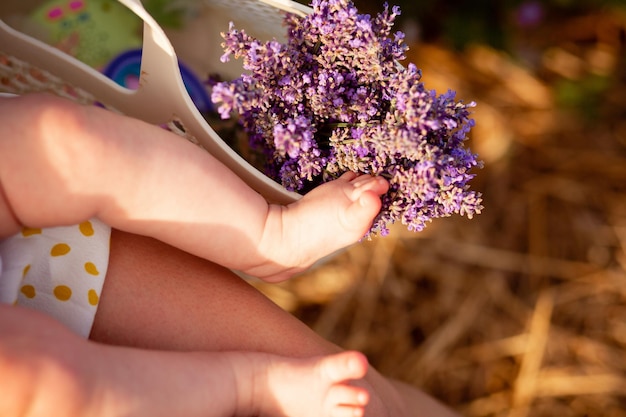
59 271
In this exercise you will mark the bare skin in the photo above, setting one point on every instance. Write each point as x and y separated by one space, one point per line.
206 307
76 162
85 162
48 370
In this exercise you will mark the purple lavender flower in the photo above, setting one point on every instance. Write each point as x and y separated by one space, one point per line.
333 99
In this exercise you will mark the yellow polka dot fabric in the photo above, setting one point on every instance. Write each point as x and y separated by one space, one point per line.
59 271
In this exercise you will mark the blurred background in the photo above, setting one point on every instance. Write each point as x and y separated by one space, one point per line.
520 311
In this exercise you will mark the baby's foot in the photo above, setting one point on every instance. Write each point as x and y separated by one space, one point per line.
330 217
315 387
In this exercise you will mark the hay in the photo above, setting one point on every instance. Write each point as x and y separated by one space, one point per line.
522 310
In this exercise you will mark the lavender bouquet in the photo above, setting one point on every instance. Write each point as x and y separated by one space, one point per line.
334 98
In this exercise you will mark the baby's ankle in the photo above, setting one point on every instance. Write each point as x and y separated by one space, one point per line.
279 251
244 371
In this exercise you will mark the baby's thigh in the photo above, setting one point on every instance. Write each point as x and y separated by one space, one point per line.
156 296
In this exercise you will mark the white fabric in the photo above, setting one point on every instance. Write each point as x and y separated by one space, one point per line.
59 271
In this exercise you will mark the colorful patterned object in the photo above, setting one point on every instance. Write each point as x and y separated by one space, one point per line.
93 31
125 70
58 270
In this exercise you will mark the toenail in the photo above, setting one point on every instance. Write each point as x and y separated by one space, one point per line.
362 398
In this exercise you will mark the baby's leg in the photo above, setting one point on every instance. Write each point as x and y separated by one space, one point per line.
328 218
276 386
161 298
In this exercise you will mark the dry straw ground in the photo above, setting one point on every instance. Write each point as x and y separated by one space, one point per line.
522 310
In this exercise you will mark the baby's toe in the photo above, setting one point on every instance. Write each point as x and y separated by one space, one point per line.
347 411
347 396
344 366
368 184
